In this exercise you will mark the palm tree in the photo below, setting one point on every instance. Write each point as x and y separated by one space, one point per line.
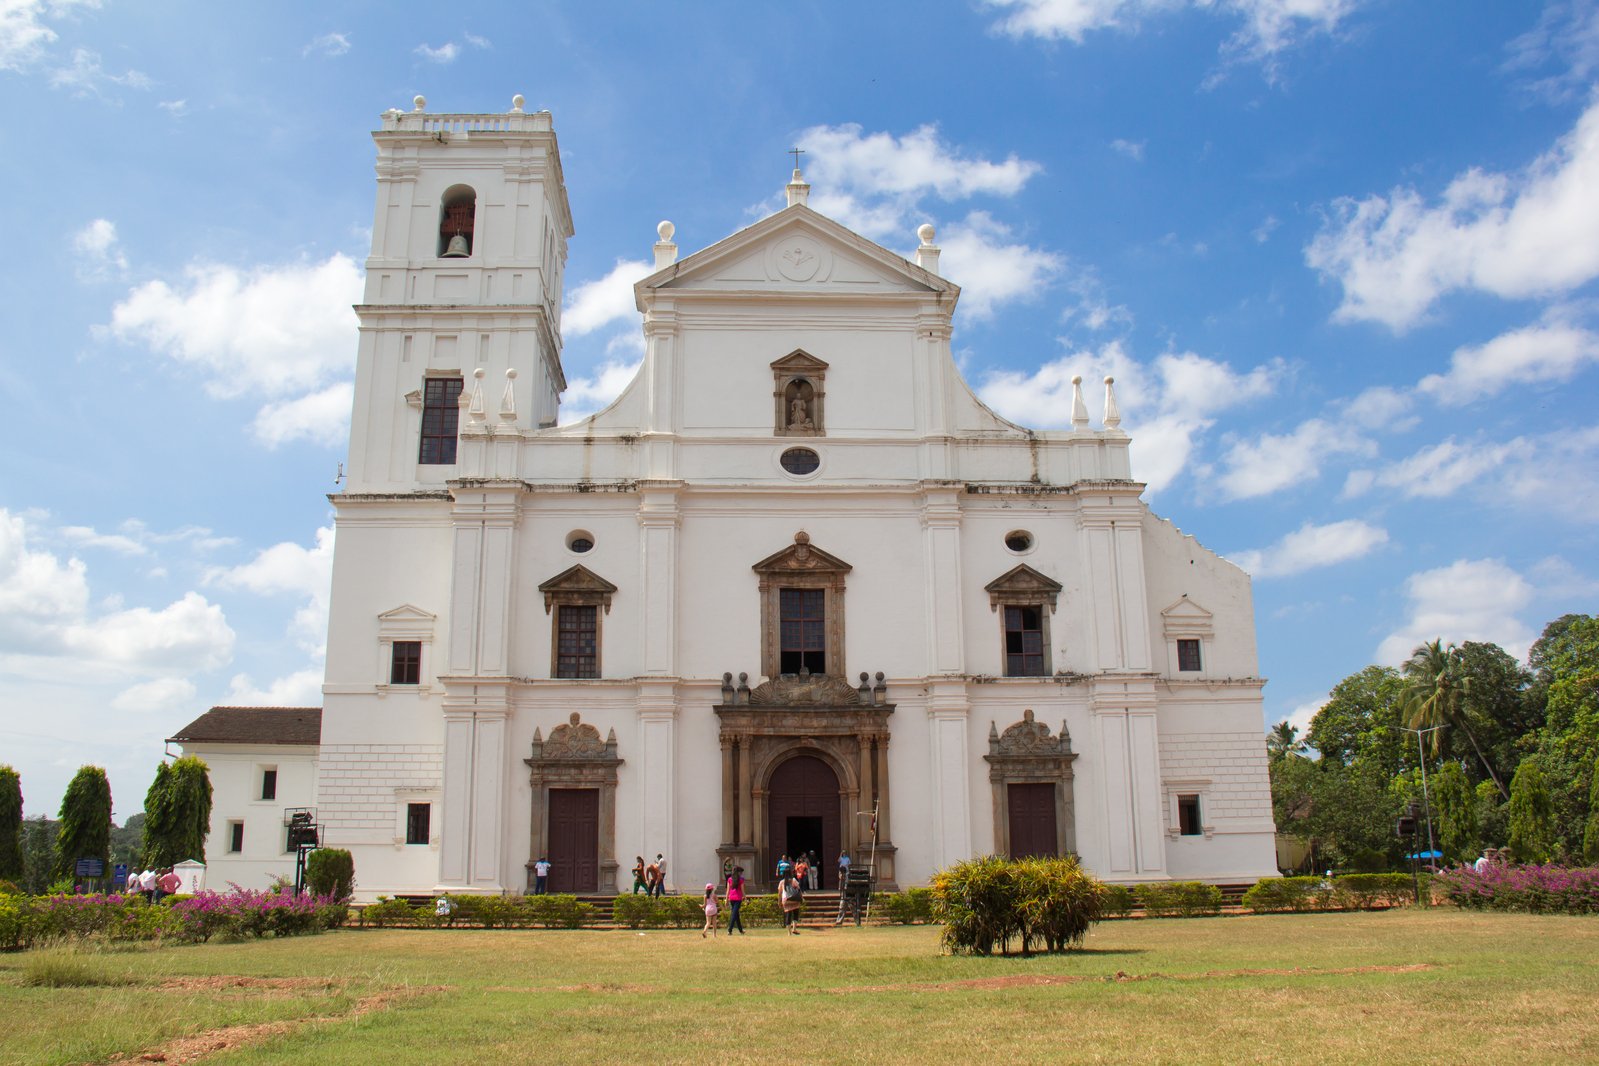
1283 741
1436 694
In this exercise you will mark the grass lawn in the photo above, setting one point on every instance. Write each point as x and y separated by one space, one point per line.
1389 986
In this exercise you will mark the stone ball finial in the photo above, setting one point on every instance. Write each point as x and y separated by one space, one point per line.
926 232
802 537
420 102
575 718
478 373
1109 380
517 101
1077 379
510 373
665 229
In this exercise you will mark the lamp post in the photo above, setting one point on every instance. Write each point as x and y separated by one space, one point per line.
1421 757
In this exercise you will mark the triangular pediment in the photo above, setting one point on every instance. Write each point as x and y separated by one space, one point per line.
795 250
577 584
407 613
1022 584
802 557
799 361
1185 617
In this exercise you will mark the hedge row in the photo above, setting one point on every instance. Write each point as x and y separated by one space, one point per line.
1547 889
492 912
1344 893
240 913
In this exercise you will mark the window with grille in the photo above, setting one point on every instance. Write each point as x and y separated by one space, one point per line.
1188 816
1188 654
802 628
1024 641
418 822
441 413
406 665
577 648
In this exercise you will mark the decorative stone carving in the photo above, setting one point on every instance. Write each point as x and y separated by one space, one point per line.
802 565
576 740
1028 737
1022 585
577 584
1025 753
805 690
798 393
574 757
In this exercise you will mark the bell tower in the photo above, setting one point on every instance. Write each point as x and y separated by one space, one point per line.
463 289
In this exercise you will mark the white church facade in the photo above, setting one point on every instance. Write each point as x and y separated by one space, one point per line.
796 576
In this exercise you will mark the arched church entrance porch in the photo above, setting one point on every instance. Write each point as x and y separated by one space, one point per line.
804 812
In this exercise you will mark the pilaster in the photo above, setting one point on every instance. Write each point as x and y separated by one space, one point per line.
1128 745
947 714
472 849
941 538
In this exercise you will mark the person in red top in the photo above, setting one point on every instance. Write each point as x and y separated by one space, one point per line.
168 883
735 900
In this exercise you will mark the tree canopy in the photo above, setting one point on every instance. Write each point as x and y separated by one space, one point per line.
85 831
177 812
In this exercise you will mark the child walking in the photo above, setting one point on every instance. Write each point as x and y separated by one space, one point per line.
710 912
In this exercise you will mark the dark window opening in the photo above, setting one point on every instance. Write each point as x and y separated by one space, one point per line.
1019 541
269 784
1188 654
406 666
581 545
457 220
418 821
236 837
1024 642
577 647
1188 816
800 461
802 631
441 414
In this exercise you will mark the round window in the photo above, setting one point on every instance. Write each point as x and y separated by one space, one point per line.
579 541
1019 540
800 461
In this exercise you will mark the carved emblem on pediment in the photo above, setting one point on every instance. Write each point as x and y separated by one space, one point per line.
813 690
577 584
575 740
1029 737
801 556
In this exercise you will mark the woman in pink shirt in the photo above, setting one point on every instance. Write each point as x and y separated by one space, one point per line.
735 900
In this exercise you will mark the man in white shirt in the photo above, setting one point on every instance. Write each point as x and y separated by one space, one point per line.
660 880
541 876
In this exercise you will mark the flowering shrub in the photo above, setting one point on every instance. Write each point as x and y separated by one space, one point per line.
1535 889
26 920
247 912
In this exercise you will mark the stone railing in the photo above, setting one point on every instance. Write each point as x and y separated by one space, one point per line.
513 121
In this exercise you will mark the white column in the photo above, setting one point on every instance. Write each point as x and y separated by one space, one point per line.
472 849
657 717
1113 558
1127 747
947 713
455 815
941 539
1133 608
658 521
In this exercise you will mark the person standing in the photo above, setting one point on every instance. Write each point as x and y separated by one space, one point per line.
802 871
843 869
541 876
735 900
639 884
792 897
652 879
167 884
710 911
660 875
813 868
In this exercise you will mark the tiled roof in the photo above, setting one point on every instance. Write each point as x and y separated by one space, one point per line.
253 725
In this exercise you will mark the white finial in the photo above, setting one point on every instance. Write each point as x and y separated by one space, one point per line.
516 103
665 250
475 411
508 400
927 252
1079 407
1113 415
798 190
420 102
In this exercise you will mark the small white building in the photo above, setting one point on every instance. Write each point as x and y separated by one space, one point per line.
796 574
262 762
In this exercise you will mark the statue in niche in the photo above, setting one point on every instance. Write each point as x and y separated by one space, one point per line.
799 415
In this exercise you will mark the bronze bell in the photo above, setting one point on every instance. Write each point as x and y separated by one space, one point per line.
457 248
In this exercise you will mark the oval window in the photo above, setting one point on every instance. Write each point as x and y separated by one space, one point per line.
579 541
1019 540
800 461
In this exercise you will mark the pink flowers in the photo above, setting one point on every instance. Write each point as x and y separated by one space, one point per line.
1534 889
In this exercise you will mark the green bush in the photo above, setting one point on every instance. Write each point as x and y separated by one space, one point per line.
636 912
910 907
330 872
1369 891
1117 901
761 911
1278 894
1058 902
563 911
985 903
1179 899
386 912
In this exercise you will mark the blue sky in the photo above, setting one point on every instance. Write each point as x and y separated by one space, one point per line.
1339 254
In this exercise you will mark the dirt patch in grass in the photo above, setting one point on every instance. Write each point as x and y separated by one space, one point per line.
255 986
213 1041
1030 980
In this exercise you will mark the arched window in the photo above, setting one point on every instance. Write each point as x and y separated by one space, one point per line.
457 219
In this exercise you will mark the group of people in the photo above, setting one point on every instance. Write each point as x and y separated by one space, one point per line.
153 884
649 878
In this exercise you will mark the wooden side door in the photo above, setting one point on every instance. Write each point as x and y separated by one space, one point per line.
1032 819
574 840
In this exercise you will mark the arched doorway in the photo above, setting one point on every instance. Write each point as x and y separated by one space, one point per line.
802 812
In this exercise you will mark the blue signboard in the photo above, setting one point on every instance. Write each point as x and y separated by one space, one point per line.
119 877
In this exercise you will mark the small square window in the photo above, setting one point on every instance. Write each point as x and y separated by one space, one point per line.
406 666
418 819
1188 816
269 784
1188 655
235 837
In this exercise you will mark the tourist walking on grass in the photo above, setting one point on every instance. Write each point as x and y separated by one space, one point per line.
792 897
710 911
639 884
735 900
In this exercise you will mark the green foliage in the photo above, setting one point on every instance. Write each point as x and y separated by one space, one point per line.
85 831
987 902
177 813
1282 742
1454 810
386 912
1590 835
1278 894
11 868
1117 901
1345 813
1371 891
330 872
1532 830
1439 694
559 910
1178 899
760 912
643 912
38 853
1359 722
911 907
65 968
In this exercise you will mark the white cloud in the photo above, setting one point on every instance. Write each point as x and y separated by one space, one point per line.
287 568
1262 233
1166 405
1269 26
23 34
36 588
991 270
328 45
188 635
100 254
1565 38
596 304
1272 462
1443 469
320 417
91 538
268 333
1301 716
1552 352
86 77
175 108
163 695
300 689
1131 149
585 396
1531 234
477 42
1380 407
877 164
1466 600
1311 547
444 53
